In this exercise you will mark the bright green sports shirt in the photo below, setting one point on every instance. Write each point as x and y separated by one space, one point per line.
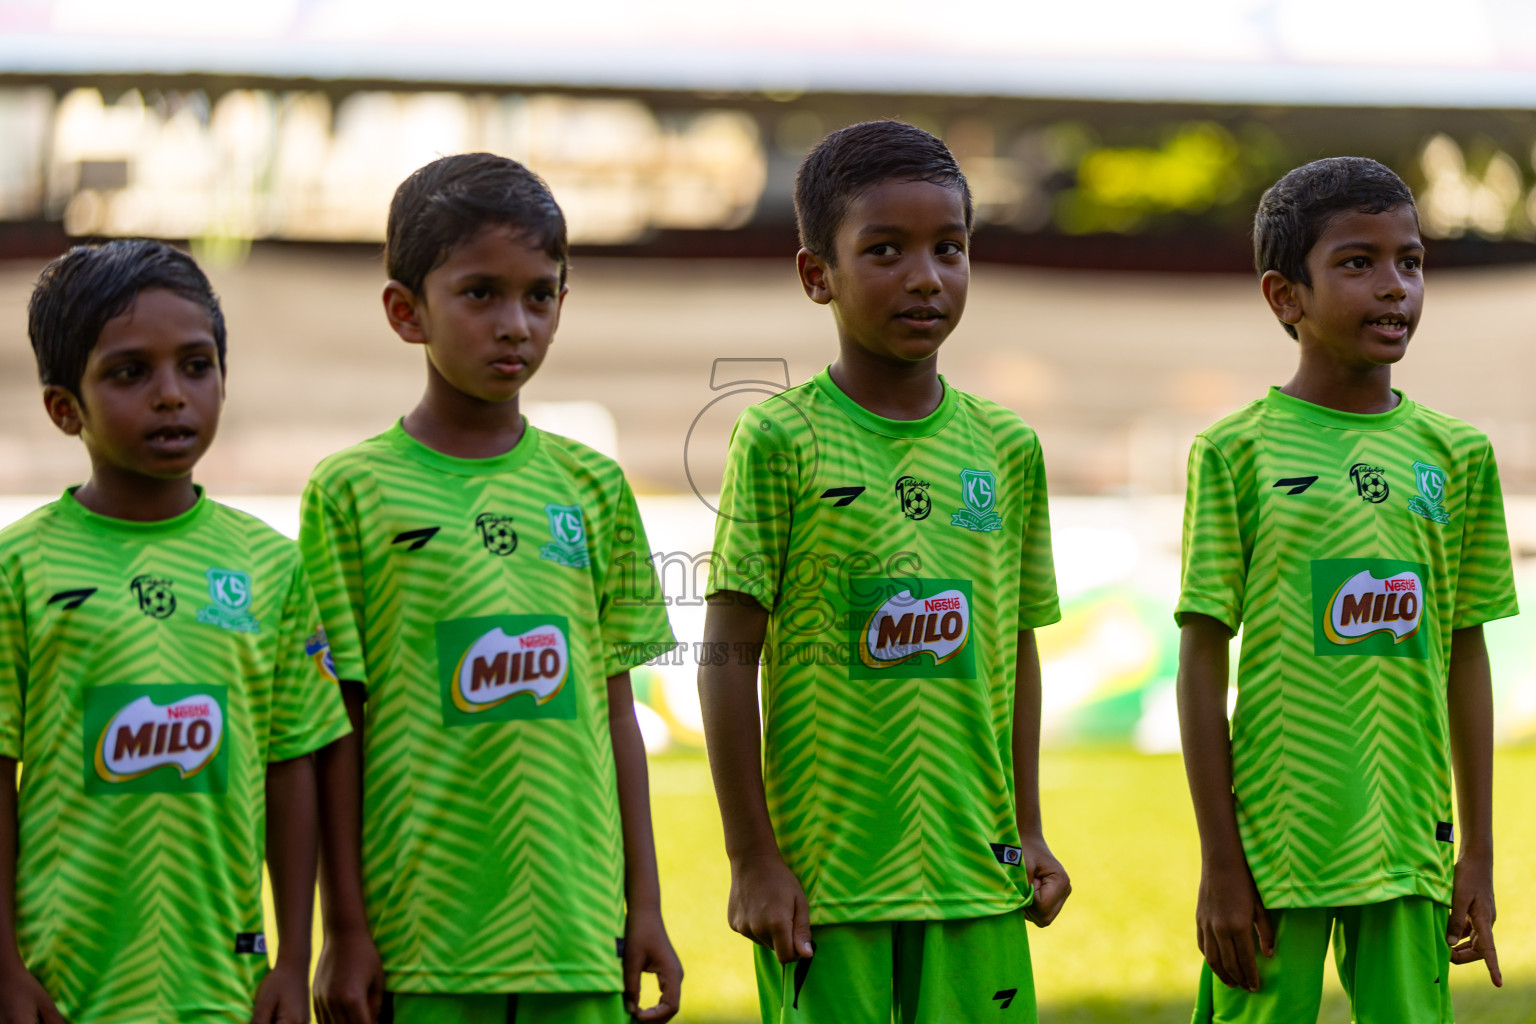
150 672
484 603
898 561
1348 547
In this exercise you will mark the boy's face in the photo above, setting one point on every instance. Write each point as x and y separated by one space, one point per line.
903 268
1367 289
151 392
487 315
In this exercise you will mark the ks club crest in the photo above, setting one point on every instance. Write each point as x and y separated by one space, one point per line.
978 490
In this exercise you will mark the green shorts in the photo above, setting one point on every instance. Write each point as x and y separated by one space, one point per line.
527 1008
1392 958
910 972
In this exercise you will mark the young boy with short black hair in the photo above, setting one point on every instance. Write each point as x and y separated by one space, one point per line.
489 587
883 540
1358 538
163 678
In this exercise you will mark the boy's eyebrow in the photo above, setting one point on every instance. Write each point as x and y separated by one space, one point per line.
902 229
1372 246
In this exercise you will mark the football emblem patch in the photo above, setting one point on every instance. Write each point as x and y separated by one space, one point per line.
496 533
1370 482
912 494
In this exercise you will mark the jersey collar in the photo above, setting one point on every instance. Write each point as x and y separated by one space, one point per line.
925 427
71 507
1279 401
506 462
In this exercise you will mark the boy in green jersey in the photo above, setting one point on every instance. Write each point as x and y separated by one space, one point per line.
883 541
489 586
164 677
1358 538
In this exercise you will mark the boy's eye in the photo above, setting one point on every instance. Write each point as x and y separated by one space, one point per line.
1412 262
949 249
883 249
125 372
478 292
542 295
1357 263
199 365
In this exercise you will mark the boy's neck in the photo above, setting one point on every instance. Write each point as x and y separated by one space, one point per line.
1348 389
139 499
449 421
889 388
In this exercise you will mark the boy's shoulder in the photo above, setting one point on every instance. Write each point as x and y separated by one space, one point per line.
359 459
221 528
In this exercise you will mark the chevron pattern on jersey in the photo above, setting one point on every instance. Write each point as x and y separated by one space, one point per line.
130 895
493 856
886 792
1340 750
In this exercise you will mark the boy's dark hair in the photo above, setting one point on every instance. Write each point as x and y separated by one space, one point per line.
80 291
859 157
454 198
1294 212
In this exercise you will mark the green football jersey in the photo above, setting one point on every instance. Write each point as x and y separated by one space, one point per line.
1348 547
150 673
898 561
484 603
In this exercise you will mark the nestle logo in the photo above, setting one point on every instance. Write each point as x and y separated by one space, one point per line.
1399 585
538 640
942 604
187 711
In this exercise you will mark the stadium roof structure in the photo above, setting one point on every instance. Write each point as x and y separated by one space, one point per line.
1427 53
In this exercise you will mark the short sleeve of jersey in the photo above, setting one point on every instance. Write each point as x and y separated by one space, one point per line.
328 538
1213 564
13 666
633 619
1038 603
307 712
757 496
1485 585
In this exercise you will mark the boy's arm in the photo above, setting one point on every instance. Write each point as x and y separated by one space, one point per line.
1046 875
1229 910
646 946
349 978
767 903
283 997
22 998
1470 696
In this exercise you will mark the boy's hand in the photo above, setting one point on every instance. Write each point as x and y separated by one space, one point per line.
283 996
648 950
1227 915
23 1000
769 907
1470 931
349 980
1049 879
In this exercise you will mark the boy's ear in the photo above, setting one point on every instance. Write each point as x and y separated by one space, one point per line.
64 409
402 312
1283 296
815 276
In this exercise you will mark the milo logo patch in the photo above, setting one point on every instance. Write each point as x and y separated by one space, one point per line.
156 739
1369 606
911 627
505 667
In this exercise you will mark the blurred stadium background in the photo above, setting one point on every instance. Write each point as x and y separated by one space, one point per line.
1115 149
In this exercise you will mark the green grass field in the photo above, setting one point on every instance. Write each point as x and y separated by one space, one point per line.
1123 949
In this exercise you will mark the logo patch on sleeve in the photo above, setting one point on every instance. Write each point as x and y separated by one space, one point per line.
1366 606
156 739
911 628
501 668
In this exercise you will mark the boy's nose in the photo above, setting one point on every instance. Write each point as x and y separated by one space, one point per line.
924 277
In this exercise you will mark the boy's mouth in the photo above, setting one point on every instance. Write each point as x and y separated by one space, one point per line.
921 315
1391 325
173 439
